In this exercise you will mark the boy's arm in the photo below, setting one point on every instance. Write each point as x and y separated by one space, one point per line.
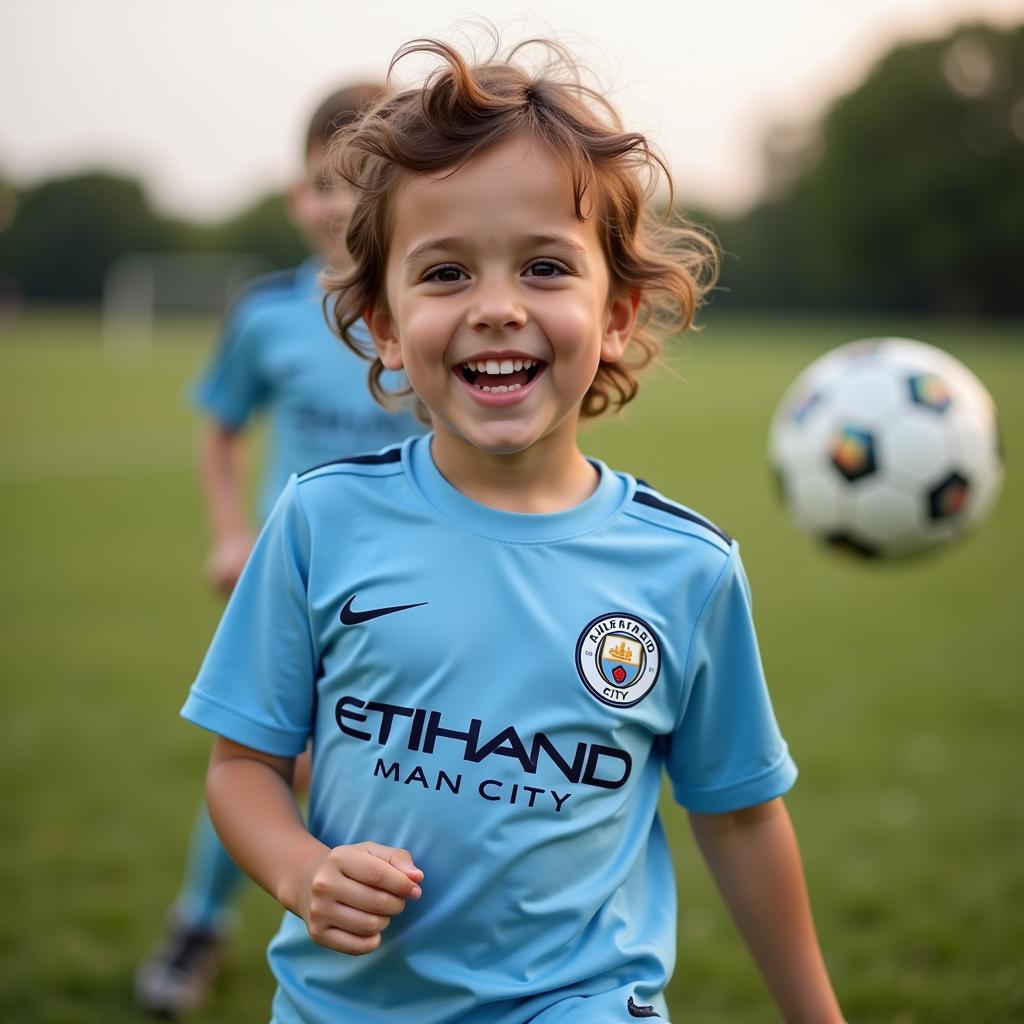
753 856
222 479
347 896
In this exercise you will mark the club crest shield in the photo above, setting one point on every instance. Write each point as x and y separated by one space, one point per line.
618 658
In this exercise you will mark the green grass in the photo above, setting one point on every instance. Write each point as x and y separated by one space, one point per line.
899 687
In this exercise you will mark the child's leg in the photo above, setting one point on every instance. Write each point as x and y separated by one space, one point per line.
211 879
177 977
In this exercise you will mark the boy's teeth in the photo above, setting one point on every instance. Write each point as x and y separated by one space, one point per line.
500 366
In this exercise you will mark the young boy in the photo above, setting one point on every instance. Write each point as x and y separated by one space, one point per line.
496 644
278 356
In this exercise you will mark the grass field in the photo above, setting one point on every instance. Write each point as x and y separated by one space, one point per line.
900 688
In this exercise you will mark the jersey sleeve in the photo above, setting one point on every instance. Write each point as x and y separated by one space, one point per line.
232 384
257 681
726 752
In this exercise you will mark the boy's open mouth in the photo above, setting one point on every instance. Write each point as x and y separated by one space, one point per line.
500 374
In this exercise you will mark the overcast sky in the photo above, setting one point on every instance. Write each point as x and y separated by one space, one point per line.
206 99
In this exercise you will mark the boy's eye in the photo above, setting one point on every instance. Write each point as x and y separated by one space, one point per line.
447 273
322 185
545 268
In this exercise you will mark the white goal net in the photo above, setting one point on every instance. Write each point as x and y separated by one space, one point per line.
140 287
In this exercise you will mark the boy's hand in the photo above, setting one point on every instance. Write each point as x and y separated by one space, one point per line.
227 560
353 892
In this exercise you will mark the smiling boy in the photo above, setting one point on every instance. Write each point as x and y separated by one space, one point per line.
501 619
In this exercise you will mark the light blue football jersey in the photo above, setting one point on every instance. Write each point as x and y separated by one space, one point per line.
277 353
498 693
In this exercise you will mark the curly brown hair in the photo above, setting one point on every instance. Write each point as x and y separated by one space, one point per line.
463 108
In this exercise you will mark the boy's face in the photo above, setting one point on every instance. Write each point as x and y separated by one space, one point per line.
321 208
498 304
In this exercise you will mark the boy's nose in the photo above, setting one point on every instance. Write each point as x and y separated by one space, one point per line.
497 308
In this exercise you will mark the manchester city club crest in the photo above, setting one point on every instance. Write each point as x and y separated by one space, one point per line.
618 658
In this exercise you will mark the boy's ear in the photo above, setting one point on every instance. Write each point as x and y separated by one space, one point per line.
620 319
385 339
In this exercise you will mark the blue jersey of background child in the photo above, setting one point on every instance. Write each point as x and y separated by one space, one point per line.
277 354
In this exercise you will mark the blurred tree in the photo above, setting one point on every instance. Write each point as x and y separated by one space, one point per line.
264 229
909 197
59 237
8 203
10 285
65 232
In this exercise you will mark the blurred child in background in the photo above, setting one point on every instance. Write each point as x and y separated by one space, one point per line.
276 356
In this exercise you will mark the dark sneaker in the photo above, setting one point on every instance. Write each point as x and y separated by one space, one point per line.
178 976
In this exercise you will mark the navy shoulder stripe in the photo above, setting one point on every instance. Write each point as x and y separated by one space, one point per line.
263 286
276 279
374 459
643 498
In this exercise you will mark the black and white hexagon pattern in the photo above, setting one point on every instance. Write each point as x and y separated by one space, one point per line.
886 447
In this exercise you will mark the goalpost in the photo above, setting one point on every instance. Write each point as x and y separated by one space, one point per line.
141 286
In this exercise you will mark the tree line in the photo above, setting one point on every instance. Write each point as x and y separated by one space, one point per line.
907 195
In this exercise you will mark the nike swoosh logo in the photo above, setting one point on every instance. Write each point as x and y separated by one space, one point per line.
636 1010
353 618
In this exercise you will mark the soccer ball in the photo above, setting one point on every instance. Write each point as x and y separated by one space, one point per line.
886 447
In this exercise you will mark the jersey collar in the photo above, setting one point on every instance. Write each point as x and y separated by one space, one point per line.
613 491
